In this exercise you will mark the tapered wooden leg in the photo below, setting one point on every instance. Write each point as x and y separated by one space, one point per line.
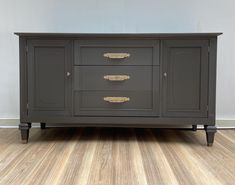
24 128
210 134
43 125
194 127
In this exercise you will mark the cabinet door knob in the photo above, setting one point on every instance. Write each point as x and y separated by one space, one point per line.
165 74
68 73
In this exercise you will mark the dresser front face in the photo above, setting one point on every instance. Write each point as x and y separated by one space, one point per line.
157 78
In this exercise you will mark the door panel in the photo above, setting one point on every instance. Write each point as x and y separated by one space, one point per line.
49 87
185 78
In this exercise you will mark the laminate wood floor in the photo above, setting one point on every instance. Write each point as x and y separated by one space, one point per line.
116 156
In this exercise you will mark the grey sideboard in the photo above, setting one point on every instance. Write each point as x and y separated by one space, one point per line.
118 80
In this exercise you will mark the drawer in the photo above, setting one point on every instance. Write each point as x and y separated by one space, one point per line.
116 103
114 78
116 52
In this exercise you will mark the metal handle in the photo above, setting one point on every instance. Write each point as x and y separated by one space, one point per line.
68 74
116 99
165 74
116 77
117 55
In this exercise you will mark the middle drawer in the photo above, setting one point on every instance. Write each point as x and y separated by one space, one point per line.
88 78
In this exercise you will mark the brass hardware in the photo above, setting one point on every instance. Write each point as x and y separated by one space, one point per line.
68 73
116 99
116 77
117 55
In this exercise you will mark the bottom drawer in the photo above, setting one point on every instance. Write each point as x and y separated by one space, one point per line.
114 103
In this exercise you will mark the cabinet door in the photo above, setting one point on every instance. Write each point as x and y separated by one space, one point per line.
49 79
185 78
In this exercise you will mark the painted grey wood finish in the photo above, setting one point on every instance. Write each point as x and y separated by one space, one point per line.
142 103
143 52
172 80
49 89
92 78
119 35
185 79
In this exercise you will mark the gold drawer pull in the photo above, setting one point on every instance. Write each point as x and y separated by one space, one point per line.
116 77
116 99
117 55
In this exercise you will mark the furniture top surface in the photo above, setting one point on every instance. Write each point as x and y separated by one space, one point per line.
118 35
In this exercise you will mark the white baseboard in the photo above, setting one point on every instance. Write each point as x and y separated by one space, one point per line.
9 123
13 123
225 123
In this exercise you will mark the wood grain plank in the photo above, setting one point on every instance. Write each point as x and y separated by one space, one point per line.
116 156
123 172
212 158
24 158
155 162
196 167
80 159
102 160
54 159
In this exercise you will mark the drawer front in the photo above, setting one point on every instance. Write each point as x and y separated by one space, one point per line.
115 103
116 52
114 78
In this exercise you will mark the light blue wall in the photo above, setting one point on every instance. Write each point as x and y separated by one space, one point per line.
119 16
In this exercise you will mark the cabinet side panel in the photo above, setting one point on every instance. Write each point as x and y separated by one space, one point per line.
23 78
212 79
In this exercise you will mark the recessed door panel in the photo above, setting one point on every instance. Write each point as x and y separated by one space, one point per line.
49 86
185 79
